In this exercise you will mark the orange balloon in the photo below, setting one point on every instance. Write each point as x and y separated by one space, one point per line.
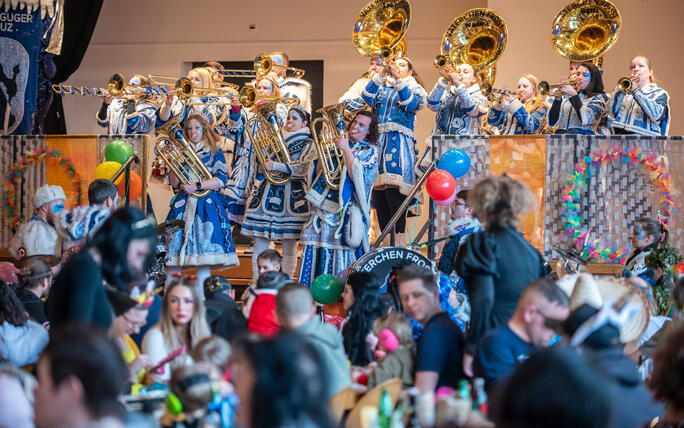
336 308
135 188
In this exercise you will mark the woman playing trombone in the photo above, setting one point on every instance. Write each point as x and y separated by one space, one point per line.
640 106
521 113
579 109
130 114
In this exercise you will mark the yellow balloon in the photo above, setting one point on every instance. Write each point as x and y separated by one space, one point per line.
106 170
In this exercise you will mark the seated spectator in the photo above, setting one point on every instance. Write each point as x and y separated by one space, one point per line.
542 306
129 318
362 303
267 261
631 403
262 315
223 313
394 350
440 347
192 391
667 379
80 377
35 279
294 398
21 339
296 311
182 325
463 223
555 387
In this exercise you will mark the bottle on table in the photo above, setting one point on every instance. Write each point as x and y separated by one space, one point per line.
479 397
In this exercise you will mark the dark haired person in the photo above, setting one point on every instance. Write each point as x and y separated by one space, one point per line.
463 223
119 252
439 349
21 339
332 241
667 379
647 234
497 263
579 110
362 303
295 398
223 314
542 305
77 225
80 377
35 280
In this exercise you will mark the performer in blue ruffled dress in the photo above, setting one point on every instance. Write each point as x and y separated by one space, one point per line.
579 110
459 103
337 231
206 239
131 114
524 113
279 211
645 110
395 99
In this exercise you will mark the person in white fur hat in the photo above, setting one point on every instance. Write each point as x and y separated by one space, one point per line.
38 235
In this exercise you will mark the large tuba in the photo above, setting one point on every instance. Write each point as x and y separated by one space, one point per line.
380 28
331 125
585 29
268 141
477 37
180 157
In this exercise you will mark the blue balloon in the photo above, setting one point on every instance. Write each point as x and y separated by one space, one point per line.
456 162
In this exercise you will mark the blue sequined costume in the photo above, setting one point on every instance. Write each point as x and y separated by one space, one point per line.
118 121
325 251
644 111
513 119
578 114
459 109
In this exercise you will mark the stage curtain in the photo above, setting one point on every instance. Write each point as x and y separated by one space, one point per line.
80 17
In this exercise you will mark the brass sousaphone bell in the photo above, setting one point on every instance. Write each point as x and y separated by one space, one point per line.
380 28
584 30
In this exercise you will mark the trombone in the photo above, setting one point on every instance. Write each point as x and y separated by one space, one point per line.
544 87
116 88
263 64
184 89
625 84
249 98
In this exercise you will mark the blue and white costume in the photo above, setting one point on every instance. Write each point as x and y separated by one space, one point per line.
79 224
395 104
277 211
241 182
325 249
118 121
293 87
206 238
460 110
214 114
513 119
645 111
578 114
35 237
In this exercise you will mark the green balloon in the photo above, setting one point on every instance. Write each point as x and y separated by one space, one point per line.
326 289
118 151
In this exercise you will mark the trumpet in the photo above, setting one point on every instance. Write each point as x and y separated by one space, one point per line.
444 66
625 84
489 92
544 87
332 125
180 157
249 97
263 64
268 141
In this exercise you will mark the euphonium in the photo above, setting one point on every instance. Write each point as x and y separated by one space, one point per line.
332 125
268 141
180 157
625 84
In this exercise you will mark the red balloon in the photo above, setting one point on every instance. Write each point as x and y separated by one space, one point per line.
440 185
134 190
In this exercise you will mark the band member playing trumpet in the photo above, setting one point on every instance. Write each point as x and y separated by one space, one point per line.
459 102
638 105
277 212
579 109
206 239
337 231
130 114
521 113
395 95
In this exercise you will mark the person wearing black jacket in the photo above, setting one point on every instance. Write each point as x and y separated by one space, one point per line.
35 279
497 263
223 314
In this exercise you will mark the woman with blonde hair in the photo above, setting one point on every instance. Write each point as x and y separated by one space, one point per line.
395 341
645 108
497 263
522 112
206 239
182 324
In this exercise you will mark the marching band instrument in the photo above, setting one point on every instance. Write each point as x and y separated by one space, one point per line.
180 157
625 84
585 29
116 88
497 94
544 87
442 64
268 141
249 97
184 89
380 28
263 64
332 125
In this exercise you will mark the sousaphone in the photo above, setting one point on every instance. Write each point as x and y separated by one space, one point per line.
585 30
380 28
478 37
